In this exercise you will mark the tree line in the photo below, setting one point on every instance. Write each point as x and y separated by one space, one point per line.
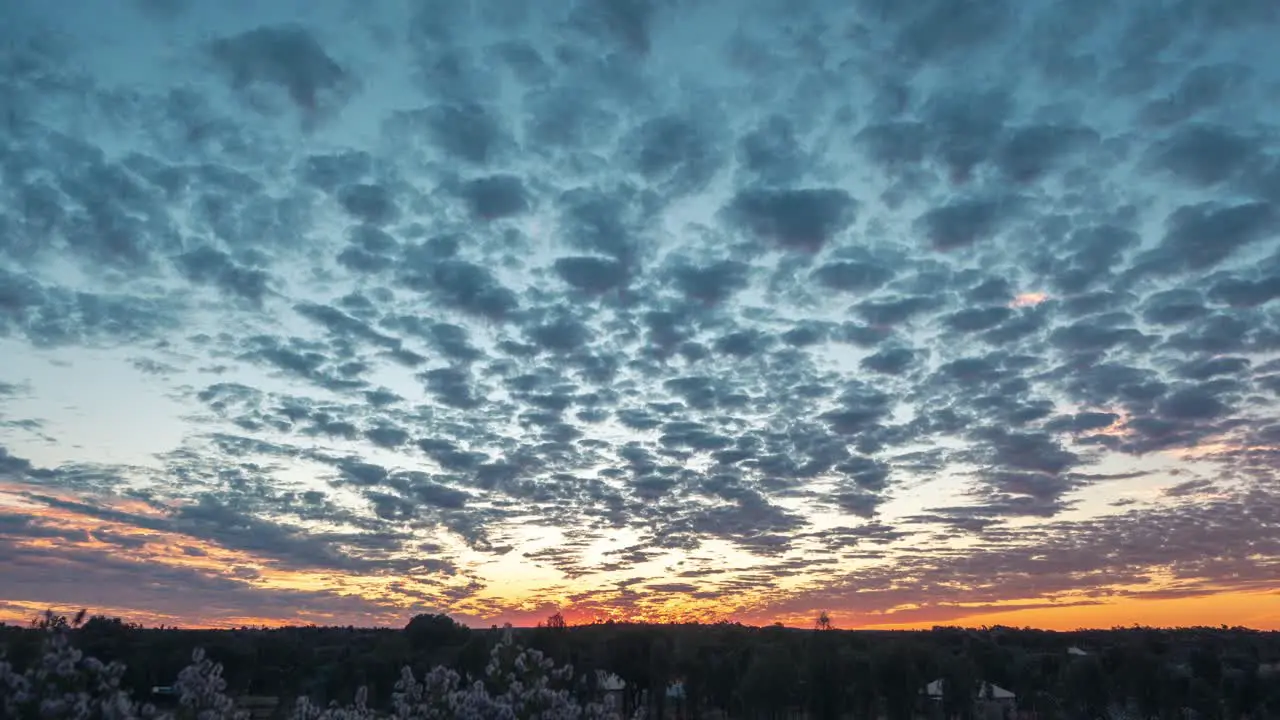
738 671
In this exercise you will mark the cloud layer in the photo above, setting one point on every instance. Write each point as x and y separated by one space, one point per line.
648 309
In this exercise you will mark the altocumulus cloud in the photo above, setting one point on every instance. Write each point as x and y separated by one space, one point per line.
646 309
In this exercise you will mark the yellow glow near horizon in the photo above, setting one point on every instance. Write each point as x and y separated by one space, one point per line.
1257 610
523 591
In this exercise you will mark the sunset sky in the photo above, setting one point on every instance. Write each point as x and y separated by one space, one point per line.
938 312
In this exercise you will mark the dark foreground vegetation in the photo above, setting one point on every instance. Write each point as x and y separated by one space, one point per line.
730 670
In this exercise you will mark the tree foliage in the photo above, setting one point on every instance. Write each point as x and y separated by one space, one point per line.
744 672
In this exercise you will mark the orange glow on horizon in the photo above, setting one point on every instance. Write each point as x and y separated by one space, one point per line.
1255 610
386 600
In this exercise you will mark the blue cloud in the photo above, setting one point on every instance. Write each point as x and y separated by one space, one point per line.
655 282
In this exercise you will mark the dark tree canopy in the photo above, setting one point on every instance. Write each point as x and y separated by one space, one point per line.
741 671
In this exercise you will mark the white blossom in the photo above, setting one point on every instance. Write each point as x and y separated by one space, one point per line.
519 684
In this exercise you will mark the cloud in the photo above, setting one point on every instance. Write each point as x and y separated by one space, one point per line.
51 315
629 305
803 218
286 57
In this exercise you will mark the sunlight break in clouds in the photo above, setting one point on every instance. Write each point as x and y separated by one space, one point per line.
340 312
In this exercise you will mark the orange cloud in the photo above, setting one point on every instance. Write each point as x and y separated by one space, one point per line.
1213 449
1028 299
64 531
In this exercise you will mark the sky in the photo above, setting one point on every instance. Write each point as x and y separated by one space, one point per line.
339 311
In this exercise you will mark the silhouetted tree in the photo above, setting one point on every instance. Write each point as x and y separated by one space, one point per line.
823 622
1085 688
898 681
826 679
435 631
959 686
768 684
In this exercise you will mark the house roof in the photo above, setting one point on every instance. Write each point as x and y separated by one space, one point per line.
997 692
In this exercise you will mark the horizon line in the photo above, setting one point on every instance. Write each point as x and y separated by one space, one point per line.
1223 627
